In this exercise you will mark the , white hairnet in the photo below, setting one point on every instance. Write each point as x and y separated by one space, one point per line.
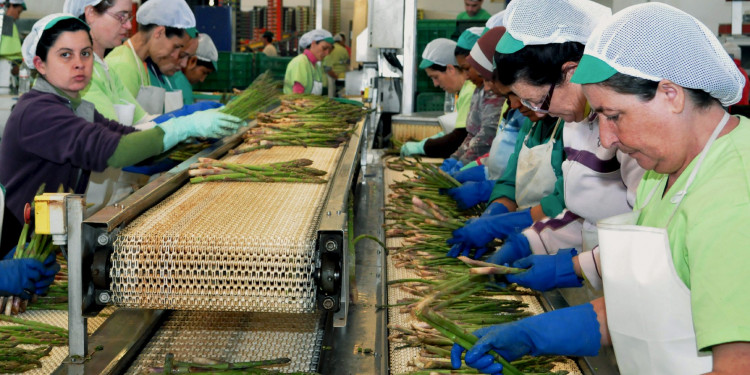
733 49
440 52
314 36
77 7
172 13
495 21
21 2
28 49
207 50
655 41
538 22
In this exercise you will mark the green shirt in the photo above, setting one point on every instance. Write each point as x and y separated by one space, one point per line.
482 15
301 70
553 204
105 90
129 68
337 60
463 103
10 46
180 82
708 236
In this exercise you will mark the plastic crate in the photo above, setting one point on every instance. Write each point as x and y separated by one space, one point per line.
276 65
430 101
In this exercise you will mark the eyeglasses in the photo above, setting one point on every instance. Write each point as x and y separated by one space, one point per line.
544 107
122 17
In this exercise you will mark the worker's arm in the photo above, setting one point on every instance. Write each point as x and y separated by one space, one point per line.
731 358
136 147
601 316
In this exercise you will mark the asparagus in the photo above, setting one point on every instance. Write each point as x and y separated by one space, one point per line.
291 171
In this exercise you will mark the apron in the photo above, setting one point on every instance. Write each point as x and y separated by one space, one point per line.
653 334
317 86
151 98
535 177
503 145
172 98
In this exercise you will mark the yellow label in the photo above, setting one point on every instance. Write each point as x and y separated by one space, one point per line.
41 214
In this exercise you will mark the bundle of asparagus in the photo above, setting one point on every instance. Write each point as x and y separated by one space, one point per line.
185 151
207 366
290 171
261 94
303 120
37 340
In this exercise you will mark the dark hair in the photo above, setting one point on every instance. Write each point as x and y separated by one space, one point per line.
460 51
268 36
49 36
537 64
645 89
438 67
169 31
16 5
206 64
100 8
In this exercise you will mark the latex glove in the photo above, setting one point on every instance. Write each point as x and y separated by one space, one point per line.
478 173
211 124
495 208
18 277
413 148
516 246
187 110
471 193
570 331
448 164
464 249
478 232
547 271
438 135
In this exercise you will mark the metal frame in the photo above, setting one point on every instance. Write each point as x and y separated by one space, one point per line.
410 57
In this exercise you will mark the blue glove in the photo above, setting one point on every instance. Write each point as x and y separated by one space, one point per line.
478 232
514 248
18 277
471 193
495 208
413 148
570 331
478 173
10 254
51 268
187 110
211 124
449 164
547 271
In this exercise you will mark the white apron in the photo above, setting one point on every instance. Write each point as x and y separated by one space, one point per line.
151 98
502 147
317 88
648 306
172 99
535 177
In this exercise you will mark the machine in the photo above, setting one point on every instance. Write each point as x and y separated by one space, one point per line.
256 271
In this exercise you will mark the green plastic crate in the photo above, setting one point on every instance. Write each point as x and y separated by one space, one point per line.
430 101
277 65
235 70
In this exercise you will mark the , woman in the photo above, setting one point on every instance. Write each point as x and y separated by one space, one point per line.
536 57
304 74
682 252
440 64
109 21
53 137
163 30
485 108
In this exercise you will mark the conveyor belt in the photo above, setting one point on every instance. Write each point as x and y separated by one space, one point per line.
235 337
402 360
227 246
57 319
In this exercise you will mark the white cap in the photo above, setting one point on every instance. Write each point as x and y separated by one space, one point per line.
28 49
440 52
171 13
207 50
314 36
338 37
538 22
77 7
655 41
495 21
